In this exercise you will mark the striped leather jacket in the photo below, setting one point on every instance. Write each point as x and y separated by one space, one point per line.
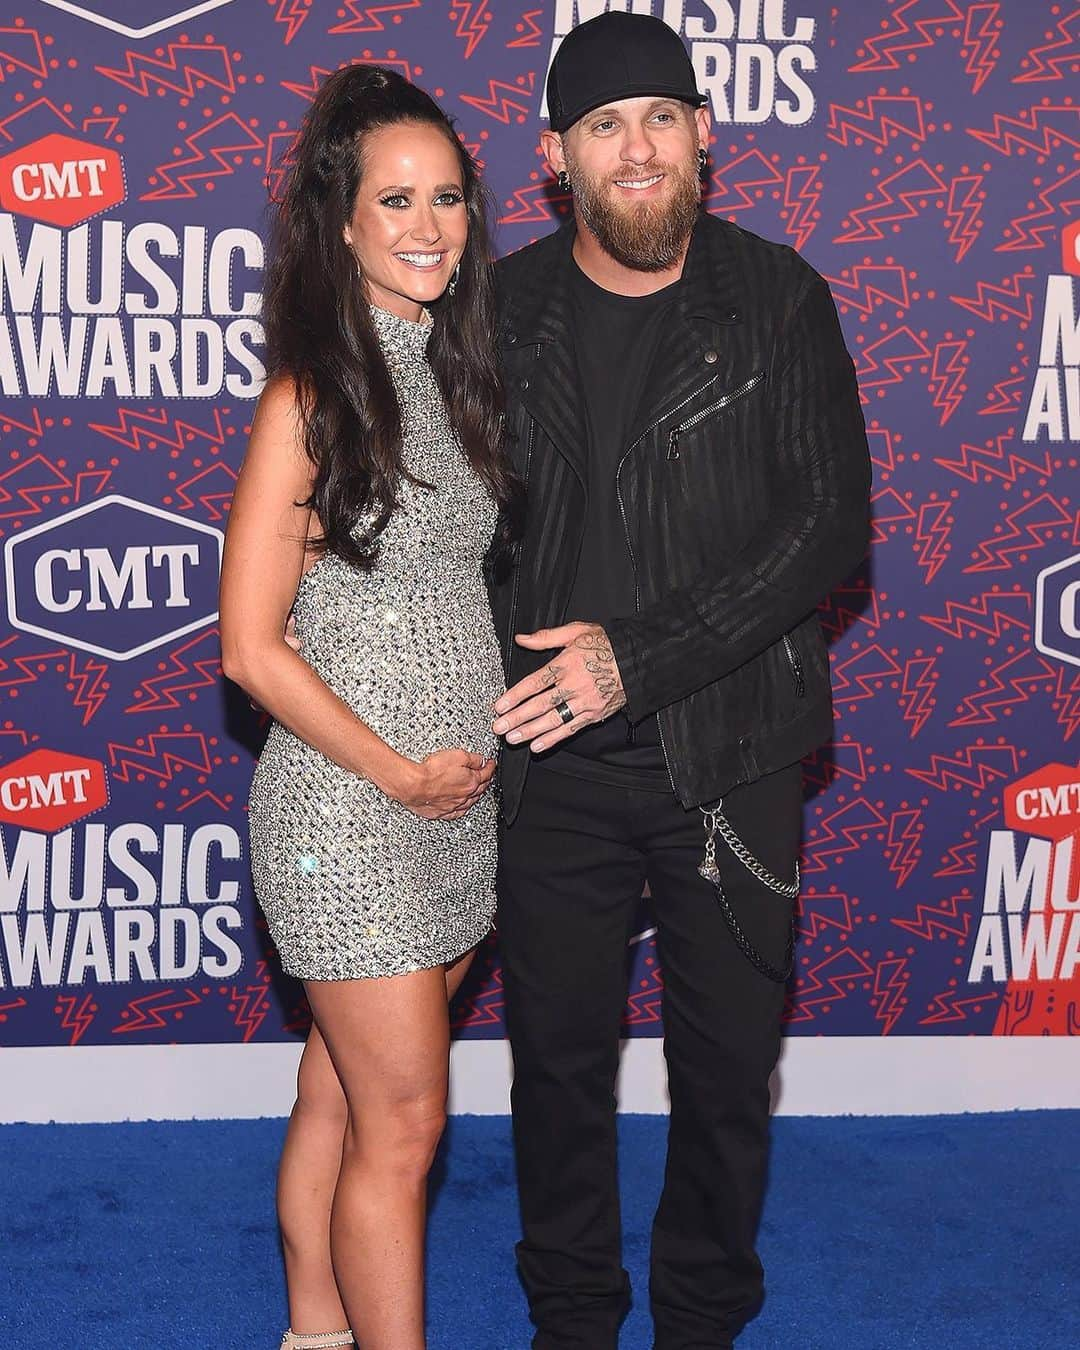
743 489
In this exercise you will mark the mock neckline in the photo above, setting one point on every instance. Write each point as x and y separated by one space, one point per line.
416 331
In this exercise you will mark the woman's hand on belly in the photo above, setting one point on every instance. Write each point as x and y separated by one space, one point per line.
444 785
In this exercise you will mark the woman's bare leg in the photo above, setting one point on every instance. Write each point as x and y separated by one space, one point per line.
389 1041
310 1163
307 1176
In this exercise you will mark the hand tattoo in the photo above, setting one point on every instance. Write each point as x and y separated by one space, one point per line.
601 665
557 694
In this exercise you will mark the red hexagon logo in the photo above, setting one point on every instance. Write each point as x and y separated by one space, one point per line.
1046 802
1070 248
60 180
49 790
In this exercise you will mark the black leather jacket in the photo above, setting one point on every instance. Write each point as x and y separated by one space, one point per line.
743 491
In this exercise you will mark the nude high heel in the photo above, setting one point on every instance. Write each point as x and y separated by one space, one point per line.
316 1340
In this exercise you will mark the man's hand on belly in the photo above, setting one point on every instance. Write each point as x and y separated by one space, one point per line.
578 687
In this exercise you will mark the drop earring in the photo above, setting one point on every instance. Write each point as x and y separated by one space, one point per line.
563 180
702 159
451 289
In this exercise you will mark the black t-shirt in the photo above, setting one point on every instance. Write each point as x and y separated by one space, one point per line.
615 339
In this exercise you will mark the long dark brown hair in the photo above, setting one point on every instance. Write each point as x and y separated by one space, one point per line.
320 332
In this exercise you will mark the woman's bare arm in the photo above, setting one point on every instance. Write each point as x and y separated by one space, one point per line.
263 561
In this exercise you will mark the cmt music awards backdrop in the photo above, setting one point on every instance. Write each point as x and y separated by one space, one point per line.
924 155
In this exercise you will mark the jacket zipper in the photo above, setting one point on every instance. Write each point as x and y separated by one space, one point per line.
676 432
630 548
795 661
517 570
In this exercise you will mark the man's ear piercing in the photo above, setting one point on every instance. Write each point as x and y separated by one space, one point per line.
563 180
702 159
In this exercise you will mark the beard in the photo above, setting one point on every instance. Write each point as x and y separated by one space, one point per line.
650 236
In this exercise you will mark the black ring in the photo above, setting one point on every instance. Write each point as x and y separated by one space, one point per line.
564 710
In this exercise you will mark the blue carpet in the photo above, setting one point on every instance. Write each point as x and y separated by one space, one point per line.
930 1232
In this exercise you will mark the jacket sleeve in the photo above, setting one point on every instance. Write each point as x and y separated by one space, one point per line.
814 535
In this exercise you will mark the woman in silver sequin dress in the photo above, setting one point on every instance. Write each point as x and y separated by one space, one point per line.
367 505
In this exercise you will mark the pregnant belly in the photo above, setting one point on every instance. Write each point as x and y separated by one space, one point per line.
419 703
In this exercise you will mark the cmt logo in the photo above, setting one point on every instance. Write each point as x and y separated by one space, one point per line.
136 18
60 180
48 790
1029 929
115 577
1070 248
1057 610
1045 803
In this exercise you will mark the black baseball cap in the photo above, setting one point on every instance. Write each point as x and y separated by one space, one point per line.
616 56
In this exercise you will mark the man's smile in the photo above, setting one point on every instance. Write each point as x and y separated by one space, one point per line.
639 184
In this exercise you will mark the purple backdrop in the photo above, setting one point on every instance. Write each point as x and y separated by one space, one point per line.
924 155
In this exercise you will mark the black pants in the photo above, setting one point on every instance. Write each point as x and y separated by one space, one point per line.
570 877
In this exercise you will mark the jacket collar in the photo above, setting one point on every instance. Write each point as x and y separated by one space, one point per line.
539 311
538 314
694 349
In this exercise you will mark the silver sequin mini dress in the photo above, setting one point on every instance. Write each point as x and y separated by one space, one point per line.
352 883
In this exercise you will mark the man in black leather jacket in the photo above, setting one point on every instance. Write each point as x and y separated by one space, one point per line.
684 415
